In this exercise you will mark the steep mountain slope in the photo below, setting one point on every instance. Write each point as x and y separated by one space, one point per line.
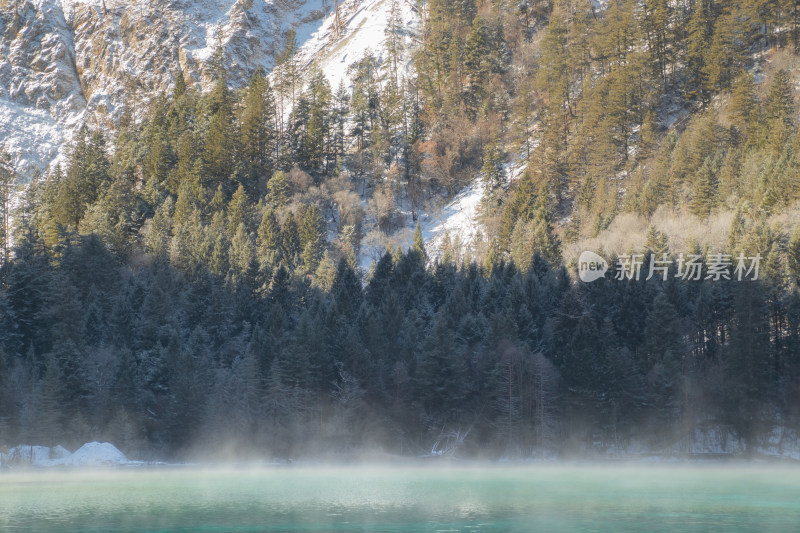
41 98
69 62
65 62
360 27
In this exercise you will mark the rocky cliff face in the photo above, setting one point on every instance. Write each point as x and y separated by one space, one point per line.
65 62
40 92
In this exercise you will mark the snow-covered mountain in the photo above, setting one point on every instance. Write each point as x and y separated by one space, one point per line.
66 62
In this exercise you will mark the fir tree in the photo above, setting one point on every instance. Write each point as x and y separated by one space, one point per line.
705 197
743 102
268 240
698 34
419 244
7 183
290 241
241 251
218 145
258 130
780 102
312 237
793 256
278 189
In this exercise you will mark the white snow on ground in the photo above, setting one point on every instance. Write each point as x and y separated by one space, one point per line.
363 27
458 220
34 137
96 454
32 455
92 454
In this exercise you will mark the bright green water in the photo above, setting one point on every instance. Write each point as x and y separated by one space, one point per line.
512 498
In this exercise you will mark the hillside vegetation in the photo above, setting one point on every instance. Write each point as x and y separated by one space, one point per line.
190 281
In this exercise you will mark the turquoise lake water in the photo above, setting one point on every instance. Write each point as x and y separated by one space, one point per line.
672 498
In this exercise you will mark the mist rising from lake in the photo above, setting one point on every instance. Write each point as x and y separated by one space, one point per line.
410 498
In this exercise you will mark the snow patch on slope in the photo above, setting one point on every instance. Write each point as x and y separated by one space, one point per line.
363 28
34 137
458 220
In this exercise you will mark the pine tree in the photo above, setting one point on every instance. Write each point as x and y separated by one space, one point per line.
743 102
419 243
339 117
346 291
8 180
268 240
705 195
748 377
493 172
521 245
238 210
48 422
278 189
288 73
318 134
656 242
663 344
699 30
180 84
312 237
290 241
9 329
326 272
660 34
258 130
160 155
241 251
394 38
793 256
553 76
158 237
477 63
218 145
780 102
218 262
87 173
723 59
441 376
95 167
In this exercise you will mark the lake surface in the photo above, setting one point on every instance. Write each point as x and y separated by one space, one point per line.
671 498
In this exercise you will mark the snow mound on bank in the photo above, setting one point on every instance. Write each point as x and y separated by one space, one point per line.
90 454
96 454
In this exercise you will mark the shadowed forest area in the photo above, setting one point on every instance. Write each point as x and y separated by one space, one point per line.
493 363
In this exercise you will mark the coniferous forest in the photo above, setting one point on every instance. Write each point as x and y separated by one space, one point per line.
189 280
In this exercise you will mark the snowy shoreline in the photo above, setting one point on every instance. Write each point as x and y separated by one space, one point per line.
91 454
96 455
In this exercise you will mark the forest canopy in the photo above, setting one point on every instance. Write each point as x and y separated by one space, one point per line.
192 280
